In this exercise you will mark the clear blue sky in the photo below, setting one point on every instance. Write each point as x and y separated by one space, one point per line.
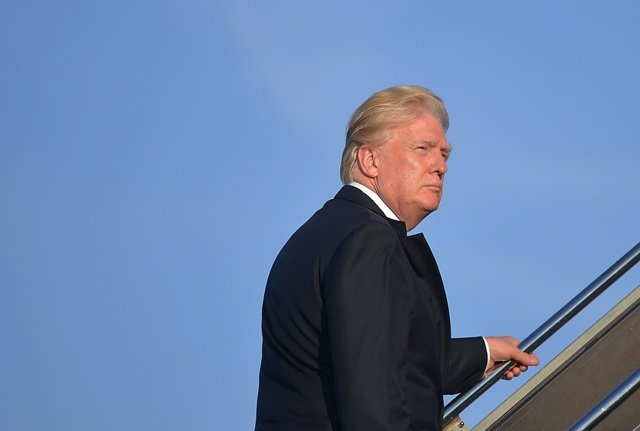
154 157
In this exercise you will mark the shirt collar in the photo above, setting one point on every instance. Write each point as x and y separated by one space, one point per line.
376 199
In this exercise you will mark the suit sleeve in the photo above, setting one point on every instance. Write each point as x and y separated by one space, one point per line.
367 305
466 363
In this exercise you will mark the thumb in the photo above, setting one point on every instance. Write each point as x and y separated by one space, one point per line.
525 358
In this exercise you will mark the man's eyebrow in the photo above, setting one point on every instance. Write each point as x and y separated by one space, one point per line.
427 142
432 144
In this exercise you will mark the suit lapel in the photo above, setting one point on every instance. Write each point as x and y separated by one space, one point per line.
425 266
419 254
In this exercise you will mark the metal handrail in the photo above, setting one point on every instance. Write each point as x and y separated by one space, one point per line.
548 328
609 403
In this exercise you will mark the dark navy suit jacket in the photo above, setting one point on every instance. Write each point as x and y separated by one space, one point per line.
356 330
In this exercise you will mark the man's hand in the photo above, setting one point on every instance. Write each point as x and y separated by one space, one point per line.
503 349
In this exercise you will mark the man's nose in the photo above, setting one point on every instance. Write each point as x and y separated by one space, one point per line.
440 166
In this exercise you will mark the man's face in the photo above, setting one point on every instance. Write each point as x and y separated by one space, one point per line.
411 168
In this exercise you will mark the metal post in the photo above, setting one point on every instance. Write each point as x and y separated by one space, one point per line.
548 328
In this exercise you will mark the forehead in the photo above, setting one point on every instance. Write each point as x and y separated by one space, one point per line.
425 128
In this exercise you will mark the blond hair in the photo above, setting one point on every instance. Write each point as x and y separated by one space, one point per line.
373 121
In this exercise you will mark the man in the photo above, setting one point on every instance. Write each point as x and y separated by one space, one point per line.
356 330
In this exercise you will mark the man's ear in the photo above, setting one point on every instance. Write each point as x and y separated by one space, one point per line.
367 161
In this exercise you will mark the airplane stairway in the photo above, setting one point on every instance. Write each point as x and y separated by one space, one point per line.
591 385
579 377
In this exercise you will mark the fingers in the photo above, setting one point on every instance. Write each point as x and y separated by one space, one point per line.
515 371
519 369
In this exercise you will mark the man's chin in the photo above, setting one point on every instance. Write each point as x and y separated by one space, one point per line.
430 207
425 212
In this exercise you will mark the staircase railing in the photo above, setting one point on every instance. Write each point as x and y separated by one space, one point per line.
609 403
548 328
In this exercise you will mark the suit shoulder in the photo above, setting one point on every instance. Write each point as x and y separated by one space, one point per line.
340 219
337 223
